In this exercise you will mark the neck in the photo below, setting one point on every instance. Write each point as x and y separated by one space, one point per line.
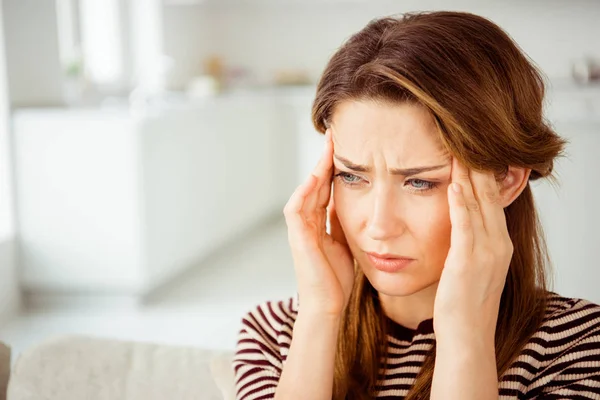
409 311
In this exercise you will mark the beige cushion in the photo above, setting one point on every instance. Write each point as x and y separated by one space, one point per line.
79 367
4 369
221 367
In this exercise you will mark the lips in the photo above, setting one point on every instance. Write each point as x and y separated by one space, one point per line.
389 263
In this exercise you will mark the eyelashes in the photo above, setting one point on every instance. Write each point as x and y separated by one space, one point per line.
347 178
414 185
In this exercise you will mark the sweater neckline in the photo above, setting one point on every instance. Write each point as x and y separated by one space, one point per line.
401 332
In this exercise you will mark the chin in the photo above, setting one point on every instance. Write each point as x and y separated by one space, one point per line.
399 284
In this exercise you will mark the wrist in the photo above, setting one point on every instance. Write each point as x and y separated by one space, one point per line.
317 311
317 316
317 328
465 347
469 339
481 335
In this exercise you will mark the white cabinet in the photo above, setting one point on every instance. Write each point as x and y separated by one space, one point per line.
119 202
78 209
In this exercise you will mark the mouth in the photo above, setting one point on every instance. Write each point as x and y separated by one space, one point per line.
389 263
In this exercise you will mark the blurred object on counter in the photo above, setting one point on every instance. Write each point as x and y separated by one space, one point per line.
586 70
210 81
240 77
215 67
203 86
292 77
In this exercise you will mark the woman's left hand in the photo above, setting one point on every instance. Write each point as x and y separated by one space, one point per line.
468 295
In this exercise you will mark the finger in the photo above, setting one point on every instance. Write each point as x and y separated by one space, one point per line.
337 233
461 175
322 172
325 188
492 212
462 233
293 209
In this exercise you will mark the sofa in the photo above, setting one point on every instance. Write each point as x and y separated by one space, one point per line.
77 367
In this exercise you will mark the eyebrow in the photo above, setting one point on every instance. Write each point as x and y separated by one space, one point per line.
394 171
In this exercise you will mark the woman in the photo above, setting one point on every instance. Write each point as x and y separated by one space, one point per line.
431 282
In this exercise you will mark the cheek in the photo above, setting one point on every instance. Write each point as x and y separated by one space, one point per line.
349 211
343 205
432 230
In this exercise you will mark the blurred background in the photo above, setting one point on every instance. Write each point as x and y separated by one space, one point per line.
147 148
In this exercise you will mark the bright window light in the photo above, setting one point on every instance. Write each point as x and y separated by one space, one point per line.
101 40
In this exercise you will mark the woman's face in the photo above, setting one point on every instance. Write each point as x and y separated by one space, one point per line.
402 213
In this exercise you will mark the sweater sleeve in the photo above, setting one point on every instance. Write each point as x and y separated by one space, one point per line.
263 344
573 356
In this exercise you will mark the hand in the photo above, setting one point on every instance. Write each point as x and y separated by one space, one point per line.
468 295
323 263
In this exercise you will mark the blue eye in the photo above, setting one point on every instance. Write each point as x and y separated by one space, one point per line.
415 185
348 179
421 185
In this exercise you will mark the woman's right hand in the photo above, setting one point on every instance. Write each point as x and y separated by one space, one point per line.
323 262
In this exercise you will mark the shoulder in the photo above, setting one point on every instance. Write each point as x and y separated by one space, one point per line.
263 344
272 316
570 325
269 326
570 318
565 352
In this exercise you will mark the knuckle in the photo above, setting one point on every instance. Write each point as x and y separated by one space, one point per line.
472 206
464 224
490 196
289 210
464 176
286 209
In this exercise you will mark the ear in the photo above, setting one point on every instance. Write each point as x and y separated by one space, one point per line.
513 184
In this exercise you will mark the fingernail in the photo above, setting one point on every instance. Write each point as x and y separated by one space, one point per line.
456 187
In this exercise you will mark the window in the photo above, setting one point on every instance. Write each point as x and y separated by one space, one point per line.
101 40
91 37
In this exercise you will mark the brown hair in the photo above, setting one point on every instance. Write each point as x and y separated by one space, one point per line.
485 97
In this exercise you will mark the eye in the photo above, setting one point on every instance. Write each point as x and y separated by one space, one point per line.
420 185
348 179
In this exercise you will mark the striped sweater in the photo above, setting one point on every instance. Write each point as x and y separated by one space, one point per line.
560 361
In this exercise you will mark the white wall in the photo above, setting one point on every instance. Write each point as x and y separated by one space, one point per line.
9 287
260 37
32 52
570 214
190 35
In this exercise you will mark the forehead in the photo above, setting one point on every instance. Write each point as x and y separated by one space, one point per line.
403 133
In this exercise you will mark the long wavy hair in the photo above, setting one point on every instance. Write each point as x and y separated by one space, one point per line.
485 97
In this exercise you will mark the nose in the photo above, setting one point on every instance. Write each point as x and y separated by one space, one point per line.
386 222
